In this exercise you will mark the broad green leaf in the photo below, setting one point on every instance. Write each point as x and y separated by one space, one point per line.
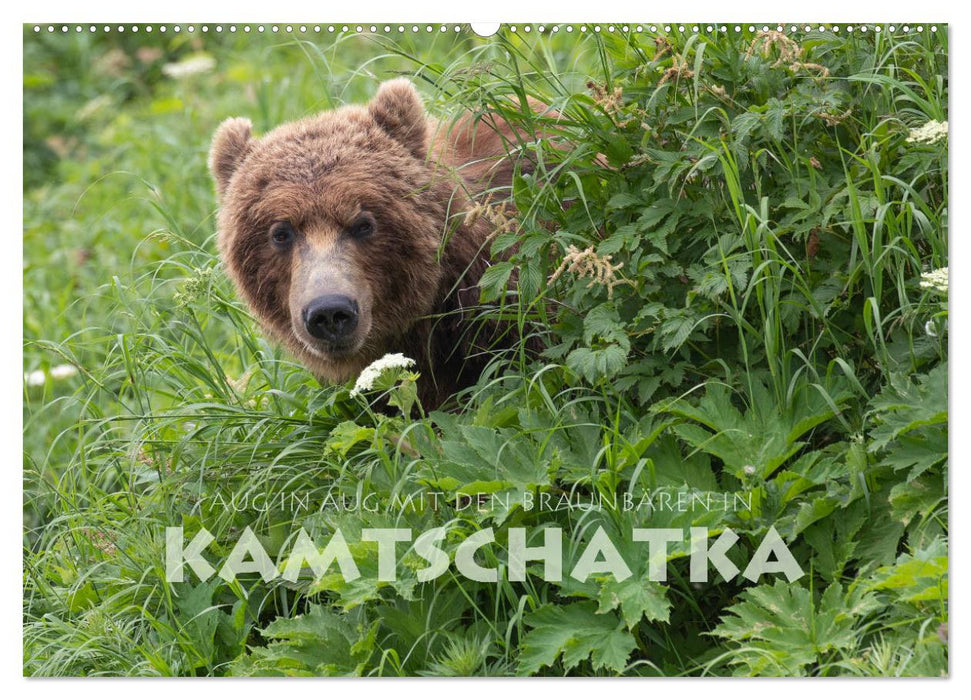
905 405
317 643
636 598
574 633
778 630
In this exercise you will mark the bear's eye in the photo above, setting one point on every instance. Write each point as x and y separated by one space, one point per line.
282 234
363 226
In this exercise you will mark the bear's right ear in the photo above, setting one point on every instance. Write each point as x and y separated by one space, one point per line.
229 144
398 110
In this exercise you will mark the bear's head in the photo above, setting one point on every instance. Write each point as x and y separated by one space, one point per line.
332 226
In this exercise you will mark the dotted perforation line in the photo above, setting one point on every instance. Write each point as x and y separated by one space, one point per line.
513 28
248 28
722 28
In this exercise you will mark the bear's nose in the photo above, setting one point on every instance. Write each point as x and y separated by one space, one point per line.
331 318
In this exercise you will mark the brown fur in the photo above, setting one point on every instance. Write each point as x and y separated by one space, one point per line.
413 277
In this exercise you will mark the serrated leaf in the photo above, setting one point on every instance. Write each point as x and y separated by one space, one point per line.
905 405
636 598
916 497
601 363
918 452
763 437
317 643
574 633
622 200
346 435
490 460
919 578
493 281
778 629
675 331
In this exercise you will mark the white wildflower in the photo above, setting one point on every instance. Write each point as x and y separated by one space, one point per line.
38 377
63 372
194 64
365 381
935 280
748 469
932 132
932 326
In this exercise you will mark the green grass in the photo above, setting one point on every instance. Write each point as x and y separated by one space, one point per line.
762 332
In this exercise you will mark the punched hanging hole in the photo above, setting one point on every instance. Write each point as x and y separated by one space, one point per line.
485 29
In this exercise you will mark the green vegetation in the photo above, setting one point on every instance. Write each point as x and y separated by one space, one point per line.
725 269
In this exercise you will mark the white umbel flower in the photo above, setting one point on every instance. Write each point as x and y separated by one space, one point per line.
58 372
932 132
365 381
935 280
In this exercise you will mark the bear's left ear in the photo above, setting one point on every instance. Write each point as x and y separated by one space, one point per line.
398 110
229 144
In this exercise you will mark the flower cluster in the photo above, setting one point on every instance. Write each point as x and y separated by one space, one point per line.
586 263
365 381
197 63
194 288
499 215
935 280
611 101
679 70
790 53
931 132
100 540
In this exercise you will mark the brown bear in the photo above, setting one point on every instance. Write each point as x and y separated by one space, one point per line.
348 233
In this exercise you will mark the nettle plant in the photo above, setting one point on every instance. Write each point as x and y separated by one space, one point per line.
733 202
